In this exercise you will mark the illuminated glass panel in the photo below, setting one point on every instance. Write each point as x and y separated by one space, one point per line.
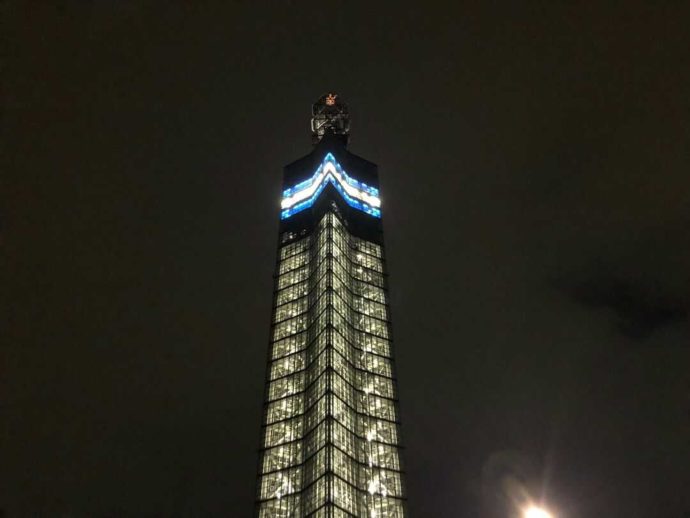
331 438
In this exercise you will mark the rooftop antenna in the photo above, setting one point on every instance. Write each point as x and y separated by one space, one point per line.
329 114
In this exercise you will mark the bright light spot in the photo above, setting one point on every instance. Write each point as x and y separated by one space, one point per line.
536 512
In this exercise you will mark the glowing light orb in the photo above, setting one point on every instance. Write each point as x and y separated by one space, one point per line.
536 512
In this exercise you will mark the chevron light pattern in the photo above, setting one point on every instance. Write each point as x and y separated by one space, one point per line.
356 194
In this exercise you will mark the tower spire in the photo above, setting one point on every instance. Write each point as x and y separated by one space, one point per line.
329 114
330 442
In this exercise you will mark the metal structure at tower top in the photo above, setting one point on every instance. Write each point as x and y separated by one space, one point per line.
329 114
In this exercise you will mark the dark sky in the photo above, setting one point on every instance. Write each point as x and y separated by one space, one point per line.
535 171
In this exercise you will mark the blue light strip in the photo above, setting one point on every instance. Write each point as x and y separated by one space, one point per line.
356 194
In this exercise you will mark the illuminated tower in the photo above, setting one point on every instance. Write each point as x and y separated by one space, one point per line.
330 442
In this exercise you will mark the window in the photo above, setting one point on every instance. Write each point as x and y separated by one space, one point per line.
367 261
368 291
370 308
367 247
376 364
293 277
344 494
382 455
343 413
284 507
368 276
285 408
315 496
381 482
289 327
293 262
372 384
284 387
282 432
289 345
372 429
281 457
286 365
291 309
373 344
344 439
371 325
378 407
280 483
291 293
294 248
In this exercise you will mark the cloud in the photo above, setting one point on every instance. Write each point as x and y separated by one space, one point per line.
640 309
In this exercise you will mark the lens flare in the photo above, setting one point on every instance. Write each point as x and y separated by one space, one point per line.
536 512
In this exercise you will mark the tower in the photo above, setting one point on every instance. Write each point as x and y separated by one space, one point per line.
330 443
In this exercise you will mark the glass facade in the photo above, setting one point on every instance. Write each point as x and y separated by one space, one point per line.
330 438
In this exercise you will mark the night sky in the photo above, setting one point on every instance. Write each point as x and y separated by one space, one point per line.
535 176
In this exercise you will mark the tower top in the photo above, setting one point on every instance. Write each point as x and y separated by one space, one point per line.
329 114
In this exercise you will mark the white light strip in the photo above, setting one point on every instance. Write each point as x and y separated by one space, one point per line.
304 193
329 171
352 191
